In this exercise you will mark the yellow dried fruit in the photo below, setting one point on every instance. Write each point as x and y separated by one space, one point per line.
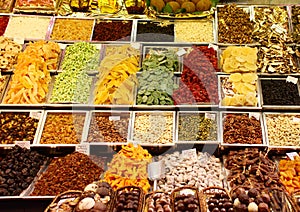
249 78
236 77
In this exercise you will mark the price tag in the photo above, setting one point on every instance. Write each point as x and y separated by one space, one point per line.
292 79
291 155
35 114
255 115
83 148
23 144
19 40
211 116
295 119
114 118
215 47
98 46
62 45
190 153
156 170
135 45
181 52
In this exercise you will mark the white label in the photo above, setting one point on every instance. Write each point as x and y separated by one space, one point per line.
135 45
19 40
181 52
295 119
291 155
210 116
255 115
187 192
215 47
35 115
83 148
292 79
114 118
98 46
190 153
62 45
156 170
23 144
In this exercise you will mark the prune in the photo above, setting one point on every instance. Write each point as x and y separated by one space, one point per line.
12 179
155 32
280 92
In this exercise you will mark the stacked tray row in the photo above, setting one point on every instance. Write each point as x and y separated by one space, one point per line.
231 25
184 170
146 76
150 128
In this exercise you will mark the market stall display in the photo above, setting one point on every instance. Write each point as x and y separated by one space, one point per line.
67 29
9 52
165 85
116 81
18 27
61 175
184 170
112 30
16 178
19 126
235 25
30 81
197 127
151 31
194 31
62 127
153 128
296 23
111 127
282 129
239 90
242 129
73 84
198 84
129 168
156 81
3 24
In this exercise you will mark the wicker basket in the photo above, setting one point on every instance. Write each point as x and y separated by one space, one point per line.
177 191
71 195
129 188
208 192
293 199
150 195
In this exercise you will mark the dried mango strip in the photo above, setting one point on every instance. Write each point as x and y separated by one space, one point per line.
117 80
30 82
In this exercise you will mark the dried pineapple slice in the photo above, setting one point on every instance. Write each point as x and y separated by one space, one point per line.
236 51
251 66
227 101
237 87
239 100
249 78
227 68
227 52
240 59
250 87
236 77
251 99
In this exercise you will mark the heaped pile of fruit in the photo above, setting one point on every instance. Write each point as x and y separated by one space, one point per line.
180 6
